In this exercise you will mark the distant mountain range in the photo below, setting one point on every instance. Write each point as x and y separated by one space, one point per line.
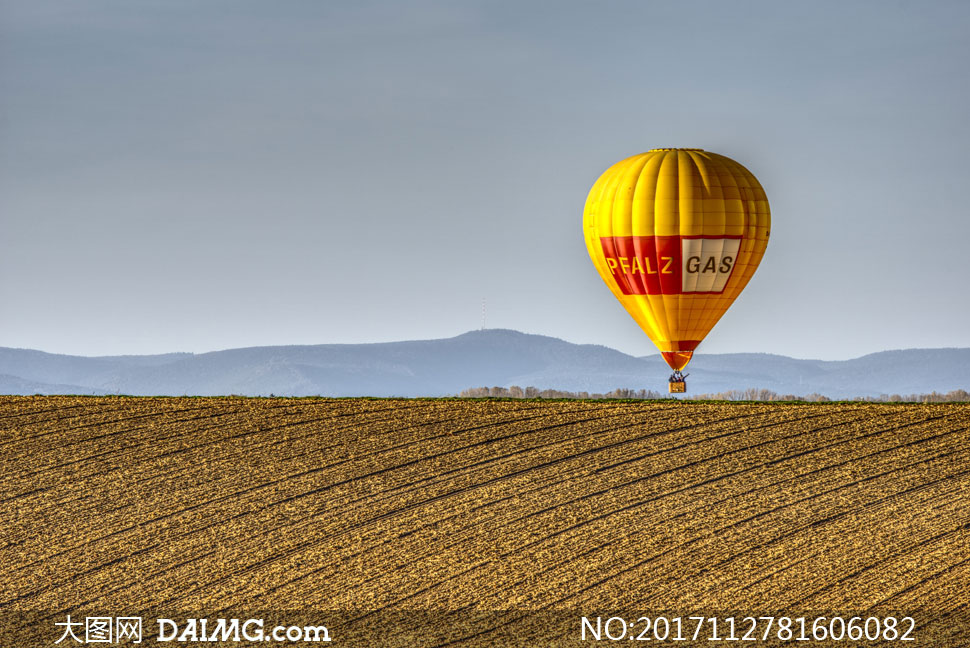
493 357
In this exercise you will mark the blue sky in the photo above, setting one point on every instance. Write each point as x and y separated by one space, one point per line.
196 176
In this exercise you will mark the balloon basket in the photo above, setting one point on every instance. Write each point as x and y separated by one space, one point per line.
679 387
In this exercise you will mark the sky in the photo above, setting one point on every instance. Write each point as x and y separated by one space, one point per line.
186 176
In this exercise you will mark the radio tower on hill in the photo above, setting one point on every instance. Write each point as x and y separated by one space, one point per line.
483 313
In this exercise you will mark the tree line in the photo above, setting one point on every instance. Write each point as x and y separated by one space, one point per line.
752 394
955 396
534 392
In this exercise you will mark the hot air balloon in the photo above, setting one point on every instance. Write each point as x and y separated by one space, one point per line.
676 234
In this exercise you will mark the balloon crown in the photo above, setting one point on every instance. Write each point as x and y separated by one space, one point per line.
674 149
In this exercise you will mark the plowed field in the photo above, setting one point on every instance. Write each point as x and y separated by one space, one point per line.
367 507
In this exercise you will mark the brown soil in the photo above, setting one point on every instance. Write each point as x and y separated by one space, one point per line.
140 504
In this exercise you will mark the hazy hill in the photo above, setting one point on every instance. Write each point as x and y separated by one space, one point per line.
479 358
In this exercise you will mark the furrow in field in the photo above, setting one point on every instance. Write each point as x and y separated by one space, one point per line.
396 504
423 516
157 544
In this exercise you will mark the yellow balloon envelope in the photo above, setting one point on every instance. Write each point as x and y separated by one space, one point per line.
676 234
